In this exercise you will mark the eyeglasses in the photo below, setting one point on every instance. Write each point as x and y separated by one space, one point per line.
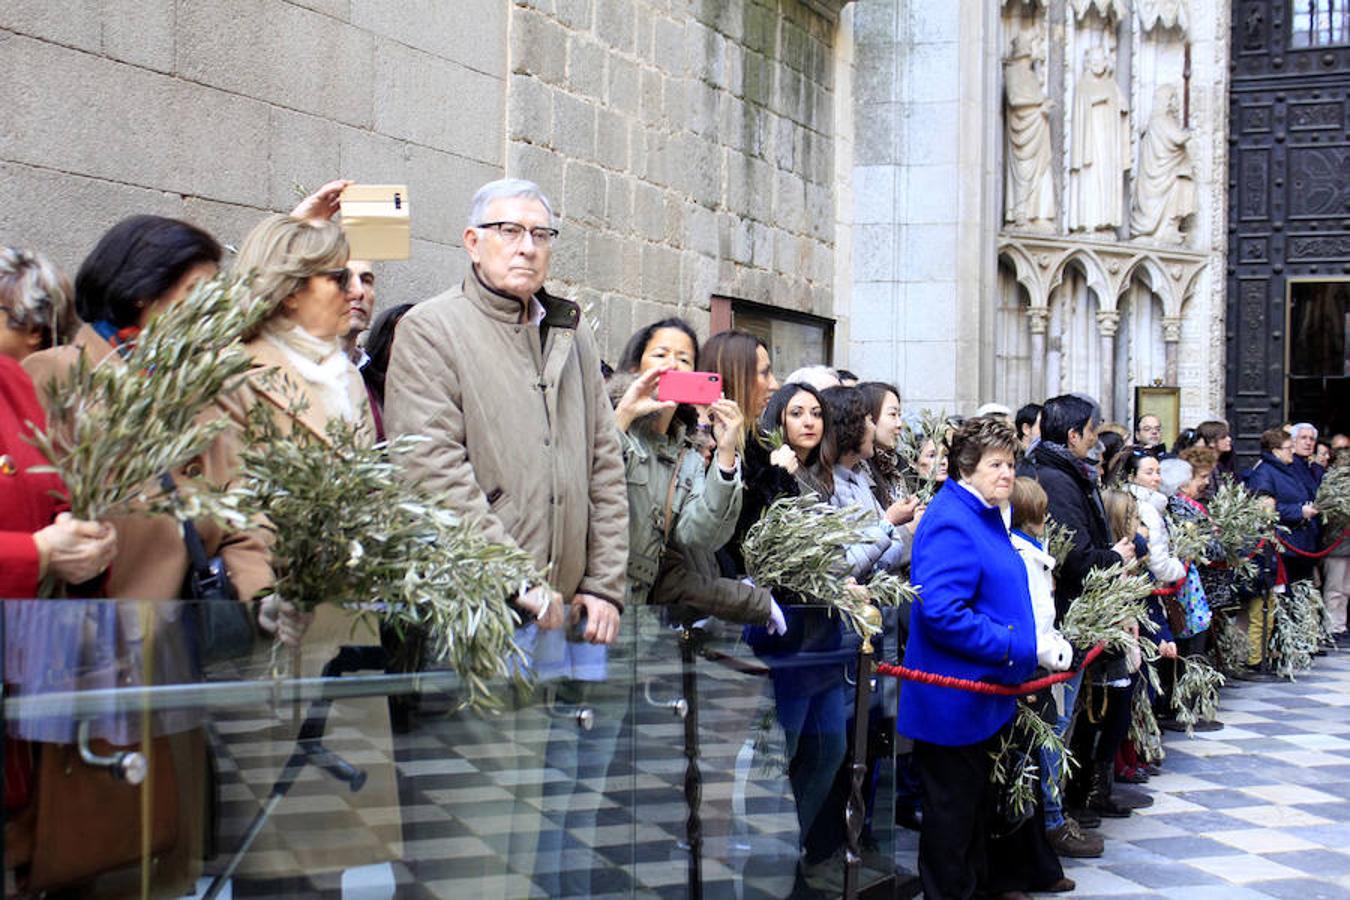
341 277
513 232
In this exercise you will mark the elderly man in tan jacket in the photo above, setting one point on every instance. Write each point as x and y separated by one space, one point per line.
505 381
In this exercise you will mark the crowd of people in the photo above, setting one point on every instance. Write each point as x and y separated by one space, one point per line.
625 499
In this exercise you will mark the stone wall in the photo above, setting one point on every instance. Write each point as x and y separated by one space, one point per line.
214 111
923 197
689 146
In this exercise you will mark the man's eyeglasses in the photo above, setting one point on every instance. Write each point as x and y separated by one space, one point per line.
514 232
341 277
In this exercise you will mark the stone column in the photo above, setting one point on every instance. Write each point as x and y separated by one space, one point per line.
1171 341
1108 321
1038 317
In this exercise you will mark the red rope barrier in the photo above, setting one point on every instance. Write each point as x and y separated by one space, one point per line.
1171 590
1320 554
985 687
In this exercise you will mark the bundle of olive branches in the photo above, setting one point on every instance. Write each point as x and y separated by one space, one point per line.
1017 761
347 530
798 548
888 589
1058 541
1144 730
909 445
1189 539
1296 633
1195 697
1112 600
1231 644
1241 521
115 426
1333 499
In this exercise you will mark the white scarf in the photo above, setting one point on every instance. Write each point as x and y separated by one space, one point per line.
322 364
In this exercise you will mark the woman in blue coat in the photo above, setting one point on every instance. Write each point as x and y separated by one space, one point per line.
1276 476
974 621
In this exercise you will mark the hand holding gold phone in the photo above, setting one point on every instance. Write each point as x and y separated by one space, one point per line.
375 218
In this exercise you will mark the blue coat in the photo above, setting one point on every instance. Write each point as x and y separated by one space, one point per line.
1291 490
974 620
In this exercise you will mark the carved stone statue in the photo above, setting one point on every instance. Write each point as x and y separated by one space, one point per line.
1100 154
1028 189
1164 189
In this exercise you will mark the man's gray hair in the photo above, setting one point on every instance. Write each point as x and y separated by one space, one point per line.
1303 426
506 189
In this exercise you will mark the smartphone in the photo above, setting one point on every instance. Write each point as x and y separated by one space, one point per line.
697 388
376 219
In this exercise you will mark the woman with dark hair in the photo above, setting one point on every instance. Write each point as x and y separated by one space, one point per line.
975 622
141 266
849 444
670 499
885 467
1215 435
378 344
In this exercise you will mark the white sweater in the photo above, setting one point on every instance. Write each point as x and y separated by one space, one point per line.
1052 650
1164 566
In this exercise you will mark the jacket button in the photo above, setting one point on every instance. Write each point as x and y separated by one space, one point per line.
547 442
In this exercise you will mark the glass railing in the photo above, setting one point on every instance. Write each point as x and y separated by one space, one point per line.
687 759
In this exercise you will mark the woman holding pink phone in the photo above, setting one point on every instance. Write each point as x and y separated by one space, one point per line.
671 501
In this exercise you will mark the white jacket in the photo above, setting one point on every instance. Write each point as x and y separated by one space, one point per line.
1052 650
1165 567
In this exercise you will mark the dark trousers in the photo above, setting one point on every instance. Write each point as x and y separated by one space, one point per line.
958 801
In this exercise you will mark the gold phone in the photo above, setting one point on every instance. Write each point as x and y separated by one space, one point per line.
376 221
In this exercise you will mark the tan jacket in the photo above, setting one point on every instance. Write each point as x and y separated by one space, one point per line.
151 560
522 439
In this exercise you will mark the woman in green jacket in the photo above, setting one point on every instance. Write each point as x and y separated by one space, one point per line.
675 498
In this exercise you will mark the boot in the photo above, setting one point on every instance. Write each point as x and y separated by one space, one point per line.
1068 840
1131 798
1099 794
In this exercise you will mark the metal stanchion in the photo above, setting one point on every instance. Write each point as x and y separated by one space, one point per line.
855 810
693 776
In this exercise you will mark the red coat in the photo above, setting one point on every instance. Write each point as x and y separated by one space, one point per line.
25 502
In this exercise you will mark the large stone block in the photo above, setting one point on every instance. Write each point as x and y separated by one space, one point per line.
303 152
932 134
874 311
932 194
875 250
366 156
930 253
604 261
529 109
576 14
669 53
878 135
63 215
427 100
616 24
625 86
433 269
584 193
653 102
573 126
538 46
139 32
874 194
75 23
706 53
442 186
700 230
932 73
586 66
876 20
538 164
660 273
876 78
930 310
229 222
702 108
279 52
469 32
619 189
699 280
649 211
700 172
611 139
79 113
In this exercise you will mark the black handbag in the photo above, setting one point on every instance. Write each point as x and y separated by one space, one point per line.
218 625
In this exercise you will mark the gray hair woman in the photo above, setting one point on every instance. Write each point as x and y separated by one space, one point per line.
36 303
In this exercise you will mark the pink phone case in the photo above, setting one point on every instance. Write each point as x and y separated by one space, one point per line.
697 388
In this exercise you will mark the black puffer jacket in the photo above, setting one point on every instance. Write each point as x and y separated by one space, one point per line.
1076 504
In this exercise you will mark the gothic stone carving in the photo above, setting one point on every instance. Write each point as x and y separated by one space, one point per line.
1101 148
1164 191
1029 191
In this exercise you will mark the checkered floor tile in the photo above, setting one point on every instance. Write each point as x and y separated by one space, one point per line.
1258 809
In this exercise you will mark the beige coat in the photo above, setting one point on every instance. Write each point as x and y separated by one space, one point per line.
151 560
522 438
354 829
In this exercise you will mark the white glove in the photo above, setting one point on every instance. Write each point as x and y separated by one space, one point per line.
1053 651
777 624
